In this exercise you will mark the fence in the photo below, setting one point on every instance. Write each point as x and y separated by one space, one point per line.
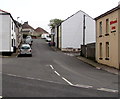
88 51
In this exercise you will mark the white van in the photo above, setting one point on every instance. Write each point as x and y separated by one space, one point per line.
44 36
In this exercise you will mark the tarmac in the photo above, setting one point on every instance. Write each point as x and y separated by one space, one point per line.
94 63
86 60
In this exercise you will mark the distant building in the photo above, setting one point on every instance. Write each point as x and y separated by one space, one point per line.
39 31
108 38
27 29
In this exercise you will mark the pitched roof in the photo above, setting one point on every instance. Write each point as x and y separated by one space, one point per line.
7 13
27 26
39 29
4 11
108 12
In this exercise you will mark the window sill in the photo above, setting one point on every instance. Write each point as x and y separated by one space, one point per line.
107 59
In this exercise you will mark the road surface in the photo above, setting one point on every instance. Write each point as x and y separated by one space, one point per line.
52 73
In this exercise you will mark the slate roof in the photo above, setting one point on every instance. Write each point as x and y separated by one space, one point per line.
27 26
4 11
108 12
7 13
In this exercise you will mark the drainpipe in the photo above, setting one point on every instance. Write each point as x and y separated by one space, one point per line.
84 30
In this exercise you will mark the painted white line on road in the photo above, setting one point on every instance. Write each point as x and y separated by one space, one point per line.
77 85
57 73
108 90
14 75
29 78
67 81
51 66
83 86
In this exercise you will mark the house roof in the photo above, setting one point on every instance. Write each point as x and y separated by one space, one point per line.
27 26
7 13
39 29
77 13
4 11
108 12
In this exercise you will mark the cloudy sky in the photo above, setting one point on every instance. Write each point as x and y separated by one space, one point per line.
39 12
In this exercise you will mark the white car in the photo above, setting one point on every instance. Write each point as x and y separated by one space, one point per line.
25 49
48 39
29 40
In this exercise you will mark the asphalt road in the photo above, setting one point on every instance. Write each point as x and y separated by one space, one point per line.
52 73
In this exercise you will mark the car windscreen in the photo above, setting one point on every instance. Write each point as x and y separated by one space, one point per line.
25 47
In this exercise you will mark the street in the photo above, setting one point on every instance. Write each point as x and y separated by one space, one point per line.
50 73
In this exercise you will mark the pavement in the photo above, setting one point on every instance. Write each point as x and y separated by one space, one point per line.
94 63
99 66
13 55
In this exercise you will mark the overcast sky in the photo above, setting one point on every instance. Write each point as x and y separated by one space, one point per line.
38 13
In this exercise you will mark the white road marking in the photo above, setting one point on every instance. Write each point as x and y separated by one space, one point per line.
57 73
83 86
67 81
108 90
98 68
14 75
31 78
51 66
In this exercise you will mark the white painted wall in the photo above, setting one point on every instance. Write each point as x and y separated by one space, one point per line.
6 33
72 31
0 32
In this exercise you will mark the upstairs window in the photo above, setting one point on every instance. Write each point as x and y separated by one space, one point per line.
100 29
12 25
107 27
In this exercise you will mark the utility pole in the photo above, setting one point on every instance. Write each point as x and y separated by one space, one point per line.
84 30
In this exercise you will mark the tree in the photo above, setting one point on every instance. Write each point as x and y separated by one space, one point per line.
54 22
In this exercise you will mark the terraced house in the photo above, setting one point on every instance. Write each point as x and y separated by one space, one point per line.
108 38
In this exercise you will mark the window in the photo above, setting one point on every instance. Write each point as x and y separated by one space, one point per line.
12 25
100 46
100 31
12 42
107 50
107 27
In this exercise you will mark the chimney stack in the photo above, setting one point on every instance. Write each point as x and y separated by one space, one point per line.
26 22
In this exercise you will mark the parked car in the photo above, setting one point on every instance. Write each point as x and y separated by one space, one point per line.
29 40
43 36
48 39
25 49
